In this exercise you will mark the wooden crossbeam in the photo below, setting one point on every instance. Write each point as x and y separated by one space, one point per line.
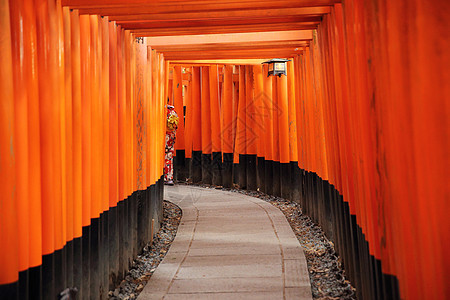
230 54
200 62
120 7
233 46
245 14
252 37
220 29
142 24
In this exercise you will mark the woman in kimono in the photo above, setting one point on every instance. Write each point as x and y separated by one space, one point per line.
171 128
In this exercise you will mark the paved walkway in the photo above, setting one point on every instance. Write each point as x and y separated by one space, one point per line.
229 246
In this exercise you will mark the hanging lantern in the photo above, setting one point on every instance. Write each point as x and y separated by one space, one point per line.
277 66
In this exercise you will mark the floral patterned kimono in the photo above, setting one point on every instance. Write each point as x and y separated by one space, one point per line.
171 128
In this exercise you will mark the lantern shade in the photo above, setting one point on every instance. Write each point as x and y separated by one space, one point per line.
277 66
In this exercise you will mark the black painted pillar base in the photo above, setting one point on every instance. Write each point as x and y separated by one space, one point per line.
328 216
60 270
320 203
391 287
235 173
251 172
35 282
295 182
196 166
285 180
309 197
48 276
356 258
69 264
153 208
113 244
242 175
260 173
85 254
216 167
348 244
104 255
24 280
122 234
179 166
276 186
142 219
227 170
94 258
268 177
206 169
10 291
160 201
188 168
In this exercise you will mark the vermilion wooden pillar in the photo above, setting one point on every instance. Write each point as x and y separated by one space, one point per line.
148 115
269 110
94 85
77 147
227 125
260 128
206 126
216 131
86 116
20 127
277 112
179 160
251 129
295 178
241 144
283 126
34 162
196 162
68 151
56 56
9 253
188 128
105 142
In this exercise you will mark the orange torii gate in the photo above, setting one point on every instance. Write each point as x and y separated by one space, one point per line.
357 132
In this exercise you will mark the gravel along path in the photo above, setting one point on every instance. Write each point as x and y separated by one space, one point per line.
327 276
147 261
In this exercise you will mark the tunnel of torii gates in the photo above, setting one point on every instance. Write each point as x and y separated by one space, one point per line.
357 132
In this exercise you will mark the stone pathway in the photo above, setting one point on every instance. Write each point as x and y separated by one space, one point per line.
229 246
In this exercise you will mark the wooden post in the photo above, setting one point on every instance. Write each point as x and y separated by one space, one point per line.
277 112
9 252
179 160
206 126
196 172
250 129
216 132
261 133
20 133
227 126
241 145
268 108
283 119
